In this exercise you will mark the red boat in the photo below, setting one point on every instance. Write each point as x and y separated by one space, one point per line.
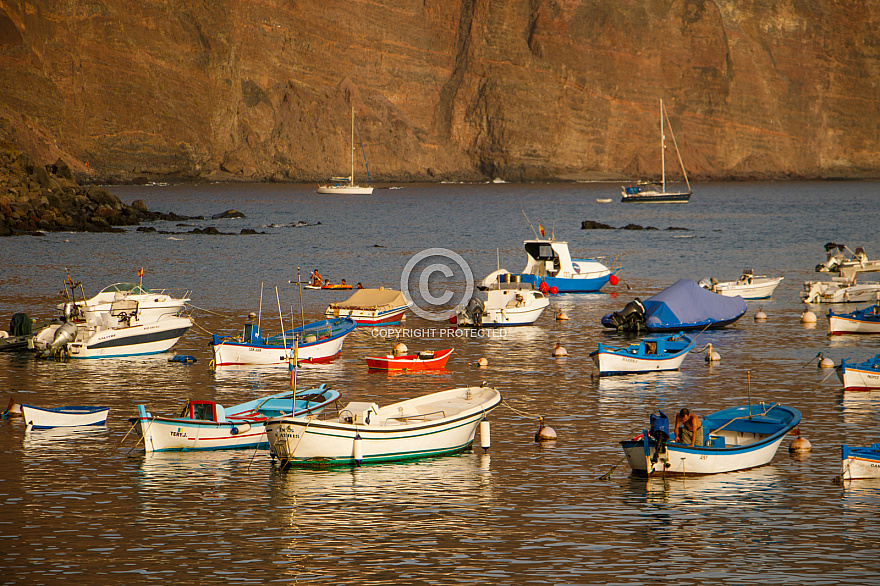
426 360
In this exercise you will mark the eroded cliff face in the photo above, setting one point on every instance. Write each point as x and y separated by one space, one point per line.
466 90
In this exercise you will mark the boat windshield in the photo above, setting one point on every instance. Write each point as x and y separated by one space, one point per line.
132 288
540 251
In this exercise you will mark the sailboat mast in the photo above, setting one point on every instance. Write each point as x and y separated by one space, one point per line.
662 146
351 181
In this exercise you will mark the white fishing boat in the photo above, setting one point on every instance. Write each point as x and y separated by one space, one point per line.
207 425
861 321
72 416
432 425
508 303
124 319
860 462
733 439
748 286
371 307
649 355
346 185
863 376
653 192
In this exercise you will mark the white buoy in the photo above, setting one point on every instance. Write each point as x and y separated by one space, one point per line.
825 362
559 351
711 355
760 315
545 433
485 435
799 445
808 317
358 449
561 315
483 362
400 349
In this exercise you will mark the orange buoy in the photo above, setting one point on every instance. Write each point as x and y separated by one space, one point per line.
561 315
799 444
483 362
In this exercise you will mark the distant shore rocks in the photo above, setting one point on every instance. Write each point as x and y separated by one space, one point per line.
593 225
227 215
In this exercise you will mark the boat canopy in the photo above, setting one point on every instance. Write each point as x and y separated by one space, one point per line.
132 288
686 303
372 299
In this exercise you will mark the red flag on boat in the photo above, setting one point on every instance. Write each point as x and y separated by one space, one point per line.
541 228
140 272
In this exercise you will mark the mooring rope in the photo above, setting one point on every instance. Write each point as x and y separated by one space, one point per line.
211 312
515 410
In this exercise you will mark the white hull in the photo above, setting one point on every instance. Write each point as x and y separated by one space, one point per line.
345 190
232 353
859 379
614 363
855 467
759 288
838 324
135 340
169 434
65 417
684 460
368 317
836 292
433 425
515 316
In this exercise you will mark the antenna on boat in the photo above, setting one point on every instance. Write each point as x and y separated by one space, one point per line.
530 224
498 263
749 373
281 318
260 314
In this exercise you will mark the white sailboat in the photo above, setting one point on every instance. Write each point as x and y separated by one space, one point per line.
651 191
346 185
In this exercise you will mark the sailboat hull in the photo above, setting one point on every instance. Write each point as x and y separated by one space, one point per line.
345 190
656 197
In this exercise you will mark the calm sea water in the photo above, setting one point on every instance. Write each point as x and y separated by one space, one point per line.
90 507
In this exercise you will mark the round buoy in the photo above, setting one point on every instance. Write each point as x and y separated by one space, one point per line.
825 362
358 449
252 316
543 287
559 351
453 319
400 349
485 435
554 290
545 433
760 315
613 279
711 355
483 362
808 317
561 315
799 445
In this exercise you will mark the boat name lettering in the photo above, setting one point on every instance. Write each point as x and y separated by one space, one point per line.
177 434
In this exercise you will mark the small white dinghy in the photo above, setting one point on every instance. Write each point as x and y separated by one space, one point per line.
43 418
748 286
433 425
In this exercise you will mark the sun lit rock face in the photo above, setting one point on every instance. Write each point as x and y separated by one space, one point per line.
442 90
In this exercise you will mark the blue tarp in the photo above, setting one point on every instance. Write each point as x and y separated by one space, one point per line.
685 305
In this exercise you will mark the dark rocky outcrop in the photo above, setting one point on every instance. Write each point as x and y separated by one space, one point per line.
593 225
227 215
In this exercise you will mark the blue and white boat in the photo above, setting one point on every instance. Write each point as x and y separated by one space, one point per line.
860 462
863 376
682 306
861 321
72 416
207 425
648 355
550 268
316 342
737 438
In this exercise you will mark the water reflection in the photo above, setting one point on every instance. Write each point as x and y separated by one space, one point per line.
54 442
733 489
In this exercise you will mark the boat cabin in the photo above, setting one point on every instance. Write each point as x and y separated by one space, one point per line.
204 411
549 258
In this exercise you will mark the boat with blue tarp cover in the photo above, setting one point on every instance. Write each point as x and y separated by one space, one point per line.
682 306
207 425
648 355
732 439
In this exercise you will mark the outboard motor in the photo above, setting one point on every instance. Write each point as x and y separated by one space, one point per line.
659 433
63 336
474 311
631 317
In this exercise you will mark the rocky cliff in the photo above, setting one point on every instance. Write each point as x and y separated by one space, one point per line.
522 90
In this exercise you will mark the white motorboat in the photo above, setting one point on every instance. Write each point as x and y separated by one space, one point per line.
124 319
843 289
839 256
748 286
509 303
433 425
346 185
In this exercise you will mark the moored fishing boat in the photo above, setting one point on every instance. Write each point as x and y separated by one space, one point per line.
432 425
316 342
649 355
425 360
748 286
207 425
507 304
71 416
371 307
550 268
737 438
861 321
864 376
860 462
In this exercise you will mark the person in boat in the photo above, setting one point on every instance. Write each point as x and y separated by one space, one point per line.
317 280
359 286
344 283
688 428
